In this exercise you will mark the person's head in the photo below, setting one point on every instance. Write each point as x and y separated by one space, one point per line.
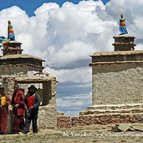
32 89
121 15
1 89
16 87
9 22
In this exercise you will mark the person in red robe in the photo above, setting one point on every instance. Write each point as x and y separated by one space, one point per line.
18 109
4 103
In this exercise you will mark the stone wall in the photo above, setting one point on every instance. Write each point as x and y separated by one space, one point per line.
68 122
17 68
117 83
8 85
47 117
104 114
116 56
64 122
106 119
52 99
48 113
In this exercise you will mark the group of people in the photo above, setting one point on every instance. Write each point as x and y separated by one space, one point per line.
24 108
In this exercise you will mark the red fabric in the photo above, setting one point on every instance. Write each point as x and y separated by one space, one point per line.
17 123
3 119
19 97
30 101
4 116
20 111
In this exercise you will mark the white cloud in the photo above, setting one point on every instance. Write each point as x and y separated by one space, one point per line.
45 8
77 75
132 11
73 104
66 36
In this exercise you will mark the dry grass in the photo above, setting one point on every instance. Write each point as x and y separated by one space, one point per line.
89 134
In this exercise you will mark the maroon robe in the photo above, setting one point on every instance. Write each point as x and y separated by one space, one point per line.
4 115
18 110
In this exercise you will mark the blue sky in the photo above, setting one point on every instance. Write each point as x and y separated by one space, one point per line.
31 5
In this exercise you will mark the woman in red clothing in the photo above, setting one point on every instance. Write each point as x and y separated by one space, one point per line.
4 102
18 109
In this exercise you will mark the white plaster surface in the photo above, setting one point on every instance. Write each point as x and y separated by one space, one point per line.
117 83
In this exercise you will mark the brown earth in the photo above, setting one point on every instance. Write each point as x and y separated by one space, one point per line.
89 134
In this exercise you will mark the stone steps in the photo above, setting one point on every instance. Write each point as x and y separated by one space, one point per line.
111 114
134 110
115 106
113 109
105 114
107 119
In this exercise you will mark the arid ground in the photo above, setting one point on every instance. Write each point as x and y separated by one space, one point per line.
89 134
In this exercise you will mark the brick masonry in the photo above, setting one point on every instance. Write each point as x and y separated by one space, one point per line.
64 122
68 122
104 114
